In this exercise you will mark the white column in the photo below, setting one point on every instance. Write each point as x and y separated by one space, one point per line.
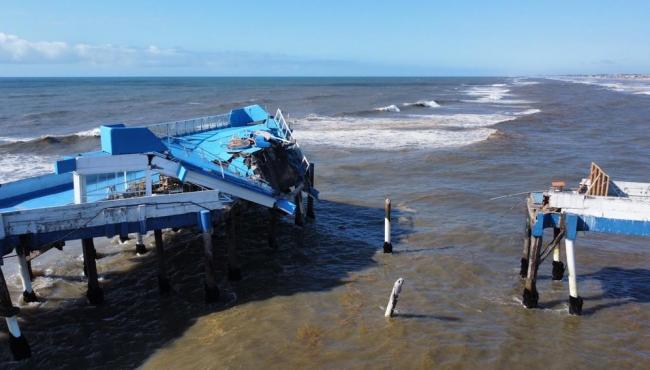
79 183
571 263
387 222
556 253
12 324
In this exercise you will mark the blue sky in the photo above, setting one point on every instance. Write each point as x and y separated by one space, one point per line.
294 38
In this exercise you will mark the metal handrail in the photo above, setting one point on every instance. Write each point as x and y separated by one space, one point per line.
189 126
288 133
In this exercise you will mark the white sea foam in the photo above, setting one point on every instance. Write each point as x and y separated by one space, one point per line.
388 108
18 166
410 132
493 94
423 103
637 86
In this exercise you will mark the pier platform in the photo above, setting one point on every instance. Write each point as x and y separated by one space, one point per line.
178 174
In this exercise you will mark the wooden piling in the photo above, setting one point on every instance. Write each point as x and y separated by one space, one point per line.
163 281
299 216
95 294
17 343
211 287
310 200
530 296
558 266
388 246
232 225
272 230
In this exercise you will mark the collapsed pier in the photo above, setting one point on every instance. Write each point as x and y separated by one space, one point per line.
599 204
181 174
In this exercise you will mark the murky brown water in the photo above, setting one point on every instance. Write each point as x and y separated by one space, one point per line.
317 302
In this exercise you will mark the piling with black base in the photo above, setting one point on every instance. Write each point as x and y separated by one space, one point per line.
531 297
140 248
558 266
18 345
232 226
25 271
95 294
310 200
388 246
163 281
575 301
523 269
211 288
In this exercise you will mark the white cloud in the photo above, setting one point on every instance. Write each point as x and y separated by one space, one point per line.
14 49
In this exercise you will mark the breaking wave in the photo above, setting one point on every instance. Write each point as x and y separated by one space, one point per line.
388 108
412 132
423 104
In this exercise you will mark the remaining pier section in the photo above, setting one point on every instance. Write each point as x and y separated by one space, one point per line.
599 204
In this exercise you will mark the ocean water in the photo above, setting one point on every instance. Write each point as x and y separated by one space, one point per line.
440 148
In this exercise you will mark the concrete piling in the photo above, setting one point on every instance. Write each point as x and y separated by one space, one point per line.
163 281
23 266
575 301
17 343
211 287
140 248
523 269
388 246
95 294
299 216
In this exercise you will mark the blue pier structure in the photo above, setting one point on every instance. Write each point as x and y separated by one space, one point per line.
169 175
599 204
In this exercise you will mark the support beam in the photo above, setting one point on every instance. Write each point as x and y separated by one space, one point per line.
310 200
575 301
163 281
95 294
388 246
17 343
211 287
530 296
79 185
232 224
558 266
23 267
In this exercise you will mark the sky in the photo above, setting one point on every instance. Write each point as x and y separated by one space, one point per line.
323 38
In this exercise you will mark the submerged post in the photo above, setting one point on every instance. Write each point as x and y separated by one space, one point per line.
310 200
95 294
232 224
25 276
575 301
17 342
211 287
394 295
558 266
163 280
388 246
